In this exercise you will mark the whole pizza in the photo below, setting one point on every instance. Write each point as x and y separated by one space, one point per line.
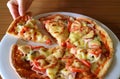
83 50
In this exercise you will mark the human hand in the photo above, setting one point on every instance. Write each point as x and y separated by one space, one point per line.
18 7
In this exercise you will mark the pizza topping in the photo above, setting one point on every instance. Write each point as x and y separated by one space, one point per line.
94 44
89 35
28 30
25 49
79 53
51 72
58 53
57 30
55 27
66 74
85 62
76 65
76 25
75 36
31 24
93 58
18 28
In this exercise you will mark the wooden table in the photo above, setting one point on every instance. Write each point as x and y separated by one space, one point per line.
106 11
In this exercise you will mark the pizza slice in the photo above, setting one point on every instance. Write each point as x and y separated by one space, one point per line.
57 25
91 45
26 28
36 62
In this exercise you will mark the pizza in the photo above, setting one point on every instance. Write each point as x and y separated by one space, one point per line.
84 50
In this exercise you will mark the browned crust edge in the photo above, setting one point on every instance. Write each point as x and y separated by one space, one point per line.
109 42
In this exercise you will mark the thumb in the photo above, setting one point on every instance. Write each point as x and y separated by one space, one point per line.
13 8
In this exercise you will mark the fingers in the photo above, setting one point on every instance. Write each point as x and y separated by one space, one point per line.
18 7
23 6
13 8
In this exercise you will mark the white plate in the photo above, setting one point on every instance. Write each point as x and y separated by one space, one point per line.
7 72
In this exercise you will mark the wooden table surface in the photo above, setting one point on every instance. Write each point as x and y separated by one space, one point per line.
106 11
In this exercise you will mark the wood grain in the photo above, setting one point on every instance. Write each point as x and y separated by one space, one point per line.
106 11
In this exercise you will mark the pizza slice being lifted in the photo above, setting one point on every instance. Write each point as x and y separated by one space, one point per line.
26 28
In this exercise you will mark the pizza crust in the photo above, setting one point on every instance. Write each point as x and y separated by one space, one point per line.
107 40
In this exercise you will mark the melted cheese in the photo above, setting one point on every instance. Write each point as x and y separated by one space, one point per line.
89 35
19 28
31 23
44 52
39 37
29 34
74 36
58 53
51 72
55 28
33 54
25 49
80 54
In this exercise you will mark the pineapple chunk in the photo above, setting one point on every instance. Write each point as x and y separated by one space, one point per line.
89 35
74 36
81 54
58 53
51 72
